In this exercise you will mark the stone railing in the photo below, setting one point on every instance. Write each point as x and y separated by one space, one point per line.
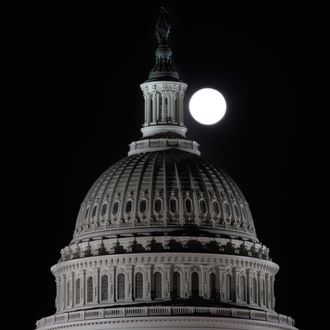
164 311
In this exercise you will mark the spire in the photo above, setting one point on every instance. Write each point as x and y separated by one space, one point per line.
163 68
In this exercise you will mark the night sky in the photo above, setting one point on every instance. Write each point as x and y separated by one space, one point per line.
86 65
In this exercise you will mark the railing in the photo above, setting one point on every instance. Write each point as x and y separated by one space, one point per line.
164 311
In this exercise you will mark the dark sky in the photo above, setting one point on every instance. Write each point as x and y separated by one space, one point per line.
85 65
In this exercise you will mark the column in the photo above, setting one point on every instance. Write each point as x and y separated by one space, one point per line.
129 283
83 288
97 285
147 105
145 110
163 110
205 291
259 287
266 294
272 280
235 284
222 279
64 291
167 282
112 278
181 108
173 106
57 299
157 109
72 289
187 288
147 279
154 105
249 286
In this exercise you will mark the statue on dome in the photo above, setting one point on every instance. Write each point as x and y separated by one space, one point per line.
163 26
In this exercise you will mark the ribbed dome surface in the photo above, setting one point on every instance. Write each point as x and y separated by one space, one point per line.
161 192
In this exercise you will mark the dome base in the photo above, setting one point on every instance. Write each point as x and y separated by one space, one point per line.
167 317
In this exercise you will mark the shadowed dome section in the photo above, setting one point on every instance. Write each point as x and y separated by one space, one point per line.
164 191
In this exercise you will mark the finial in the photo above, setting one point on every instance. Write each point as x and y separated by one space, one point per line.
163 26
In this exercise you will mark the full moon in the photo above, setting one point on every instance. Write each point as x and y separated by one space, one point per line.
207 106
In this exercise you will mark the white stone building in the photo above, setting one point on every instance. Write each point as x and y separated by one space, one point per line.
163 239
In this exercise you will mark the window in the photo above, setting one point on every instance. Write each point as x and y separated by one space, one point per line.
104 209
158 205
104 287
173 207
216 208
158 285
228 287
90 289
128 206
243 289
194 285
188 206
143 206
227 209
212 286
115 208
94 211
236 211
176 285
121 286
77 291
254 290
138 286
202 206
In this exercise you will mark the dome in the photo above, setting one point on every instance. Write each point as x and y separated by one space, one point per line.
164 191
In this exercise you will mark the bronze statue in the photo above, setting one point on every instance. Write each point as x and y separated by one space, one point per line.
163 27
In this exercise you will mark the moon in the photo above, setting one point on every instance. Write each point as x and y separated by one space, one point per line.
207 106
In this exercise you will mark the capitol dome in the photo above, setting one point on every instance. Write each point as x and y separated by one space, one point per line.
164 191
163 239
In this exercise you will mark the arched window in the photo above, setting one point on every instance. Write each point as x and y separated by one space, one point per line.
216 208
128 206
138 286
121 286
104 209
243 289
104 287
68 293
188 206
157 285
77 291
143 205
115 208
212 286
194 285
173 206
202 206
228 287
158 205
90 289
227 209
254 290
176 285
94 211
